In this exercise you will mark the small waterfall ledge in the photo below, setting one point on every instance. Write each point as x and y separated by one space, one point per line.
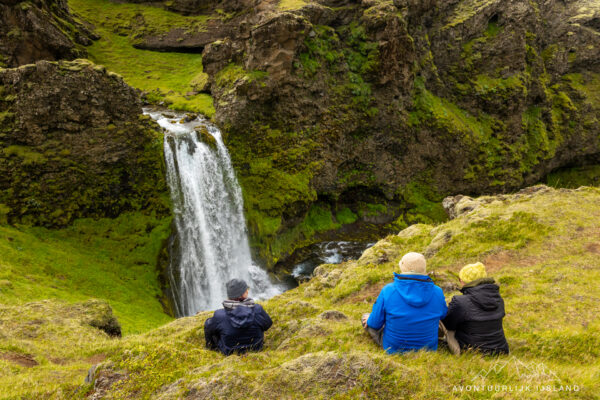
211 243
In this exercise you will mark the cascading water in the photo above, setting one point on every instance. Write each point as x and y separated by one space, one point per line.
212 243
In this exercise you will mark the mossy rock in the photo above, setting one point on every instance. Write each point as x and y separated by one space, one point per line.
205 137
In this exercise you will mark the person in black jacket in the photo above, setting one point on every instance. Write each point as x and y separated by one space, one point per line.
476 316
239 326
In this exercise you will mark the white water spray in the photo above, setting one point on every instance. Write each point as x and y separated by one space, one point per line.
212 242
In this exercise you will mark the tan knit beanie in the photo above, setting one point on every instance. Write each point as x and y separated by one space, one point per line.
413 262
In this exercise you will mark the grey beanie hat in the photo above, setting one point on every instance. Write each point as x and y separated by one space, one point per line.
236 288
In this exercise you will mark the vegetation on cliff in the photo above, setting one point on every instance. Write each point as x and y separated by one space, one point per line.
540 244
74 144
392 96
33 30
391 104
175 79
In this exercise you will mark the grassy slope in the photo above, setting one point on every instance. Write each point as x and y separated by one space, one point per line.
167 76
544 250
114 260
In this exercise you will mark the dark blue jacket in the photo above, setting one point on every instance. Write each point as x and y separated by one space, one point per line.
410 310
237 329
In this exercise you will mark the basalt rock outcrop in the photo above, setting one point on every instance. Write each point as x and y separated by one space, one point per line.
40 30
73 143
403 102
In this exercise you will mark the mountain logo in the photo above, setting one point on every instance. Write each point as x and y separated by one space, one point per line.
513 366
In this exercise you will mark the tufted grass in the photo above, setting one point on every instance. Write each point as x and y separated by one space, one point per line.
543 249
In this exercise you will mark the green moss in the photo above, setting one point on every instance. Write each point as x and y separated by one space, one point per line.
4 210
346 216
572 178
206 137
493 29
274 169
232 73
371 210
587 85
549 52
317 220
322 51
25 153
440 113
423 202
288 5
6 117
465 10
492 89
199 81
538 143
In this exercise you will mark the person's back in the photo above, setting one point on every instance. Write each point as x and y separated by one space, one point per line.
407 312
477 314
239 326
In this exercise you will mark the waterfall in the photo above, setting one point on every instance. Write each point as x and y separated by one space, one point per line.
211 243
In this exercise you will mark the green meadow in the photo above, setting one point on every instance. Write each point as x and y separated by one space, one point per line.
542 247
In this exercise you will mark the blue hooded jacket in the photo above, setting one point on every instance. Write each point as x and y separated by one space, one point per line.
409 309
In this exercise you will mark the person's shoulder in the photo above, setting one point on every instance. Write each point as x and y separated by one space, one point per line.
388 288
439 292
460 299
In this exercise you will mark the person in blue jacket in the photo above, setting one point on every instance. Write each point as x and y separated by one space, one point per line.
240 325
407 313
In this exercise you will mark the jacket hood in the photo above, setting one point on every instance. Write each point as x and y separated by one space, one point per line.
416 290
485 295
240 313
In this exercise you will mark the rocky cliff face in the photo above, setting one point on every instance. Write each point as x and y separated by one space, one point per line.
73 143
345 111
403 102
39 30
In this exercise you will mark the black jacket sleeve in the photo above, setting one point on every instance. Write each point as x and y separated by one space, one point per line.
455 315
262 318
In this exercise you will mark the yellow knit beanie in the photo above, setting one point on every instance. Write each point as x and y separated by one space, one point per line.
472 272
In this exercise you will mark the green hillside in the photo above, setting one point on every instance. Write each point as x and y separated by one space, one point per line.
109 259
542 245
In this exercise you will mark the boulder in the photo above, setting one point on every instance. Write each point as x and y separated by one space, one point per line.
40 30
74 143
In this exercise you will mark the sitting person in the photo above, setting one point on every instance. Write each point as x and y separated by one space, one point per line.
239 326
407 312
476 316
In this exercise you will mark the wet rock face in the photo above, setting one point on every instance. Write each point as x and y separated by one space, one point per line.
73 143
39 30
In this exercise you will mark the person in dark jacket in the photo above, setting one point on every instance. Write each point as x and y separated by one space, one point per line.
407 312
240 325
476 315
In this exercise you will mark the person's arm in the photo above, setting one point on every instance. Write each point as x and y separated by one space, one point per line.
210 331
263 319
377 318
453 316
444 306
